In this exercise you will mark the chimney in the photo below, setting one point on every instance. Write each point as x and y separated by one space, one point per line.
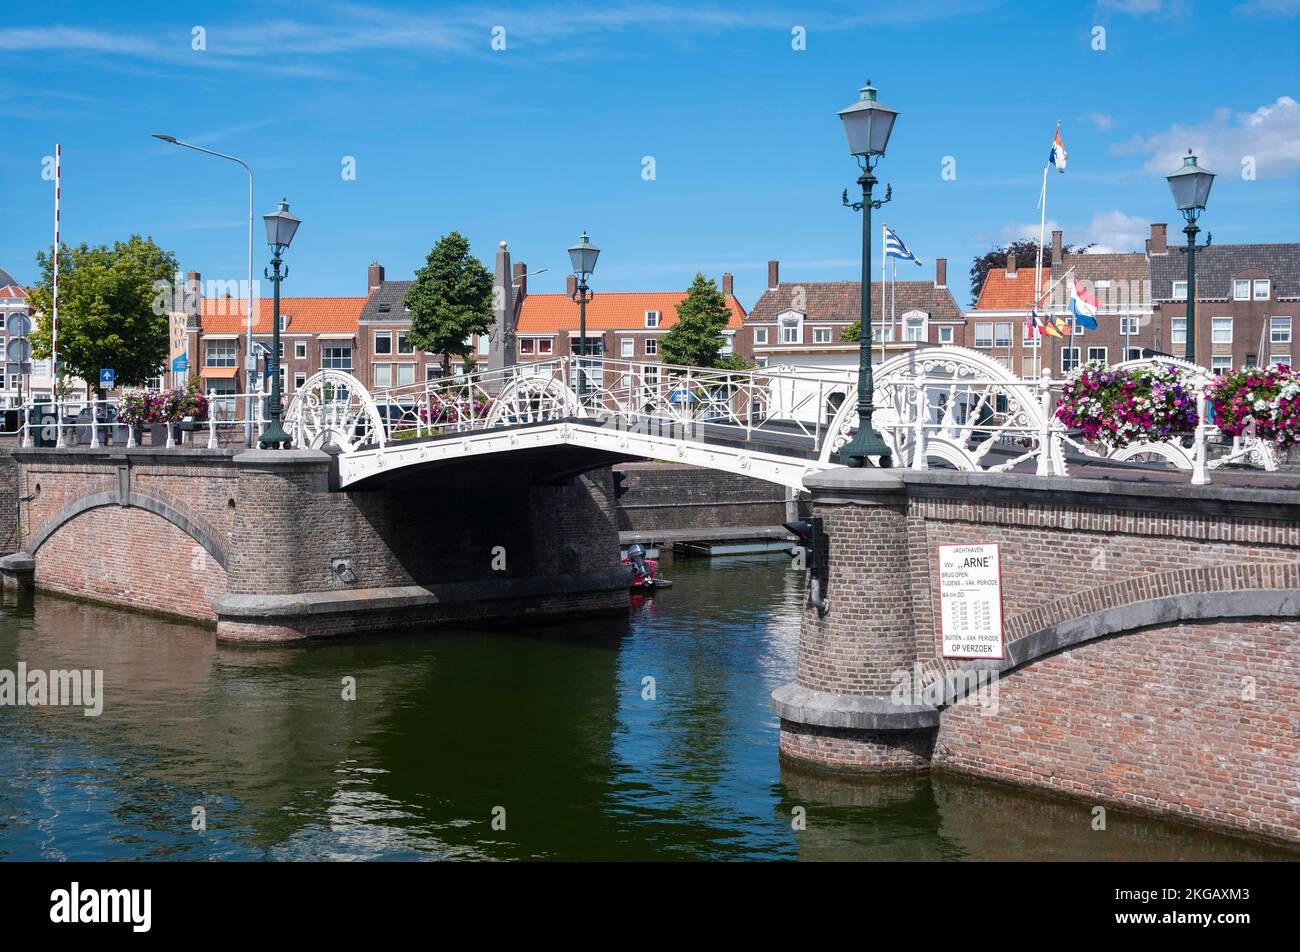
192 299
773 274
1159 239
940 272
1057 252
1011 264
726 285
501 349
374 277
571 285
521 280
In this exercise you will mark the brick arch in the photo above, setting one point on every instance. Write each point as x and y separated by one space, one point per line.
158 507
1209 593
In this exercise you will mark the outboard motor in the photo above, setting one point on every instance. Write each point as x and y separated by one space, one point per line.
636 555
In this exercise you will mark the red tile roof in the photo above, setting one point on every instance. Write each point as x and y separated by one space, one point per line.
317 315
13 291
610 310
1003 293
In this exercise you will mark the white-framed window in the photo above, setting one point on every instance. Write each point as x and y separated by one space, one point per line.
1178 291
760 335
651 346
1280 330
595 346
484 345
1002 334
432 371
1027 332
545 346
405 374
15 381
299 380
1134 353
1241 289
1221 330
527 346
1178 330
1279 360
652 318
1261 289
284 322
383 375
1069 359
383 343
220 353
336 355
627 347
945 335
983 335
821 335
1076 328
300 350
1221 364
913 328
1098 353
1128 325
790 332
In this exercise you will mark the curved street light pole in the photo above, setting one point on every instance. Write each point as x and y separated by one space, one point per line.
250 361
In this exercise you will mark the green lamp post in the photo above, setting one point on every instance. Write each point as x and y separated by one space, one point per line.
1191 188
867 124
280 228
582 257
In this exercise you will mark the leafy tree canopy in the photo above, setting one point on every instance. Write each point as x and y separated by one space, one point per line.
110 311
450 300
696 340
1026 251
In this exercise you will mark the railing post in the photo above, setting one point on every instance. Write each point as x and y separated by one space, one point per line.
171 436
27 425
94 426
212 420
58 424
1045 465
1200 459
920 458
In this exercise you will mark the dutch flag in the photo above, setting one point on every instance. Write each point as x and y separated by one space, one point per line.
1083 305
894 248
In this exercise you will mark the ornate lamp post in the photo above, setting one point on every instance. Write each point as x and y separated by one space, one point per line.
867 124
1191 188
280 228
583 257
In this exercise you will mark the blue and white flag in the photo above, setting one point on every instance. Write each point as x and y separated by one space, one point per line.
894 248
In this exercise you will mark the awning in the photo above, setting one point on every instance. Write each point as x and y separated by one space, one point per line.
219 373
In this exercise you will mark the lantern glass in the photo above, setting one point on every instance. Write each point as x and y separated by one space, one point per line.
280 226
868 124
583 255
1190 185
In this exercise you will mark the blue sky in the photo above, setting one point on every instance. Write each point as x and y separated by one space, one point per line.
543 139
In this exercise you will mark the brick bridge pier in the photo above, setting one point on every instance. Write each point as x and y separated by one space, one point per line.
262 543
1151 640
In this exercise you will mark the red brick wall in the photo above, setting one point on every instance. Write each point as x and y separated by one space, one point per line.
1159 720
131 558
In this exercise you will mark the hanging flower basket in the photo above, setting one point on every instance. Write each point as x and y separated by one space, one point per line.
1121 407
1266 400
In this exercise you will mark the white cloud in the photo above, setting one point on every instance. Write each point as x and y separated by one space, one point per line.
1017 232
1102 120
1114 231
1270 134
1277 8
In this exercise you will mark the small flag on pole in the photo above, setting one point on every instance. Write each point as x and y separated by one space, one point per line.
894 248
1083 305
1057 155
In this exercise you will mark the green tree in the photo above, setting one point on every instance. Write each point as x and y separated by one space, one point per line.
853 333
450 300
111 311
696 339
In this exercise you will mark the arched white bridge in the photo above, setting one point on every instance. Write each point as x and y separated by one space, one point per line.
948 406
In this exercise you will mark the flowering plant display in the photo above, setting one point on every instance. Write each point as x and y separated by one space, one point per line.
1120 407
143 407
463 409
1269 399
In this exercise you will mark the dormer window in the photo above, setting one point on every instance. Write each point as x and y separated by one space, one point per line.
284 323
651 318
1261 289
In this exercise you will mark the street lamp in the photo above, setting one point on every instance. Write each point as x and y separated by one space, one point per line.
280 228
1191 188
250 362
867 124
583 257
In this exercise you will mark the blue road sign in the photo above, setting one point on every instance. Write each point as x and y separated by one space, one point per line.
681 396
107 378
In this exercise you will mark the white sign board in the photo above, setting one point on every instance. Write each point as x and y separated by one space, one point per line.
970 600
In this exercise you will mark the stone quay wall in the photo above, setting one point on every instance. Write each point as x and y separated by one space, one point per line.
1152 642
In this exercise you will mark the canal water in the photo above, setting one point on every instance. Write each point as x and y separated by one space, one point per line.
639 737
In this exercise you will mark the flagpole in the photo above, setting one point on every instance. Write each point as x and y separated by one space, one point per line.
884 258
1038 272
893 299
